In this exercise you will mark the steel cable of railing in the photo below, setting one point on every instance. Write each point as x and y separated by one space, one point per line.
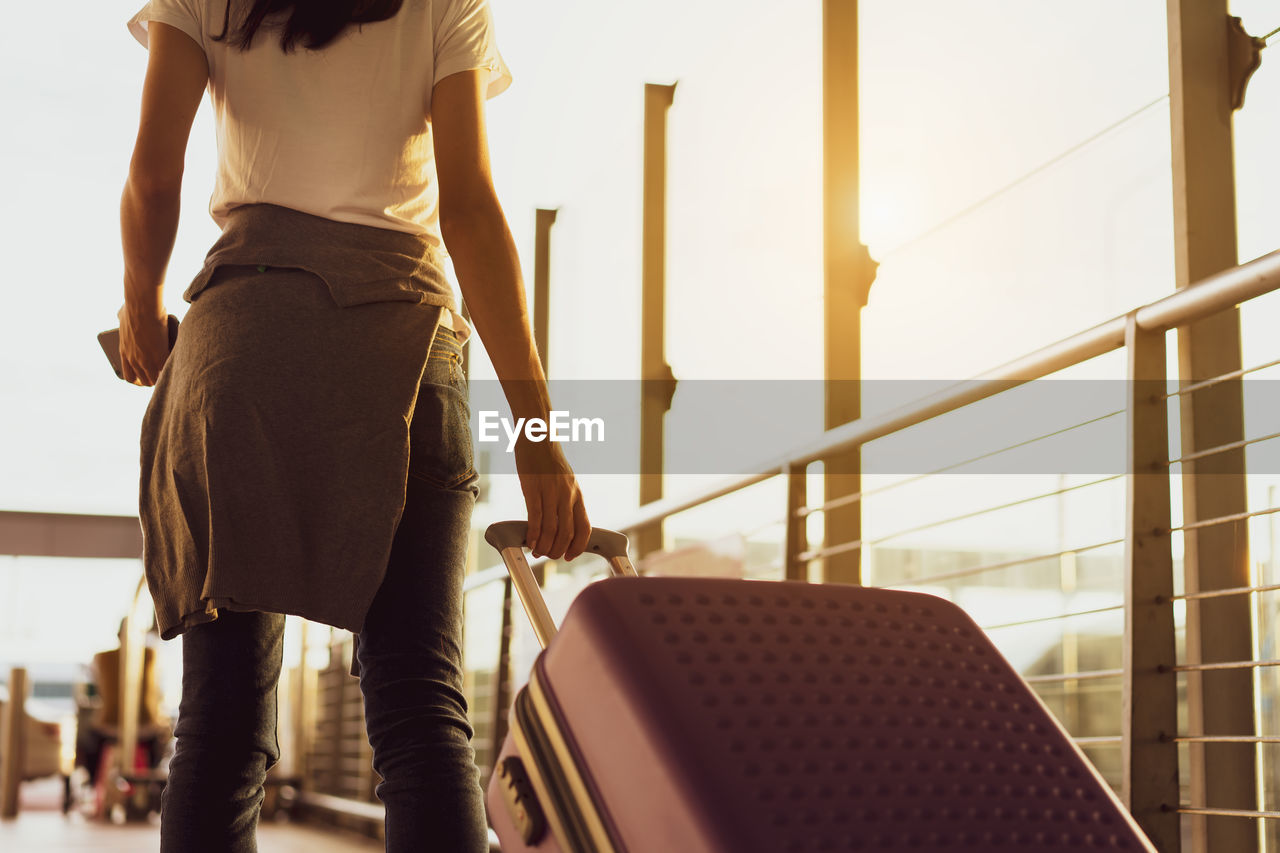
1022 179
810 556
991 567
1219 379
846 500
1105 740
1088 675
1224 739
1223 593
1228 813
1223 448
1096 688
857 496
987 510
1215 667
829 551
1109 609
1224 519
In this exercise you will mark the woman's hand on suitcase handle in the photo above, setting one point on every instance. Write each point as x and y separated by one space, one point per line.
558 525
476 232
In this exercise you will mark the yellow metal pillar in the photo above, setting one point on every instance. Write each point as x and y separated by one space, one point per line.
848 273
132 665
657 381
545 218
11 747
1202 96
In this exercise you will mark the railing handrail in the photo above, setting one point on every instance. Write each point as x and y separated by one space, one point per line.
60 534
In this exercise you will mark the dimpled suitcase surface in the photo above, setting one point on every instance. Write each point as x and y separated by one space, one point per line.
732 715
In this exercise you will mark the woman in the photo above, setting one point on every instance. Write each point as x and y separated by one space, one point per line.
306 449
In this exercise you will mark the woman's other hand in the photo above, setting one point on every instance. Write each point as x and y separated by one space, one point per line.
144 346
558 525
176 77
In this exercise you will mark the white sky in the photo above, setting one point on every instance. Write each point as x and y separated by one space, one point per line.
958 100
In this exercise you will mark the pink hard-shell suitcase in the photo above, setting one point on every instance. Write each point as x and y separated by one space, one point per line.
691 715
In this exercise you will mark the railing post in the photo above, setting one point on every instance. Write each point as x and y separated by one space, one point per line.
12 746
658 384
132 663
304 716
1150 684
797 525
544 219
502 678
1202 96
847 275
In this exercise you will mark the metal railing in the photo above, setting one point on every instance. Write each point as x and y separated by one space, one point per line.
1214 294
1151 677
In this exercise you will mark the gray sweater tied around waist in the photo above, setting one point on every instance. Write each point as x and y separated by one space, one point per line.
274 452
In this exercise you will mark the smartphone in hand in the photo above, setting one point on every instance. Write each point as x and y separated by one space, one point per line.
110 341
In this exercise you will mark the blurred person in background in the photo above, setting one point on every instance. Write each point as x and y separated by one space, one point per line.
307 447
103 705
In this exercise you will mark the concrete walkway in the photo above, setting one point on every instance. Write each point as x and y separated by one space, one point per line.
50 832
42 828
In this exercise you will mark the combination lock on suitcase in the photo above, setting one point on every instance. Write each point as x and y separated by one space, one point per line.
685 715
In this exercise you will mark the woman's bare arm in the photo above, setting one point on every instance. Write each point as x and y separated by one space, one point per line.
177 73
484 257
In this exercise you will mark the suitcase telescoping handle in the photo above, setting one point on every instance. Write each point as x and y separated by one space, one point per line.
508 537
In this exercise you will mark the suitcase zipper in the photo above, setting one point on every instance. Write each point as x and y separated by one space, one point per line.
551 763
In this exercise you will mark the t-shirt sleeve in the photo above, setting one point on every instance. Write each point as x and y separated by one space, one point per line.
464 41
186 15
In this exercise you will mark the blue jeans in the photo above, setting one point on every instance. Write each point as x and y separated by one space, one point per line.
410 659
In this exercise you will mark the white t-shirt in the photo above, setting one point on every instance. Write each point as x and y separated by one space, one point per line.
343 132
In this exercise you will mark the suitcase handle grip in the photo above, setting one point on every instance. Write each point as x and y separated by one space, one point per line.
508 537
511 534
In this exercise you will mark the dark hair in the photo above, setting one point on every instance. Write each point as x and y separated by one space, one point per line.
312 23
